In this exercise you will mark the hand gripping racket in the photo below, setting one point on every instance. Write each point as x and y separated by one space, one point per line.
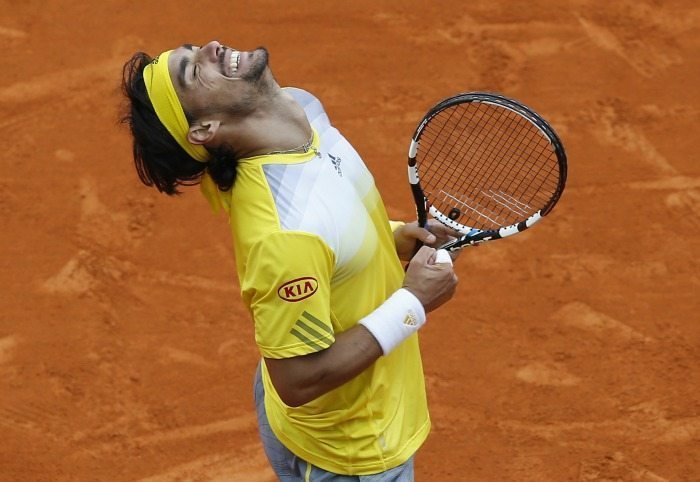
486 166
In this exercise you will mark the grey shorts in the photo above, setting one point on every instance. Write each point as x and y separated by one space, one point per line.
290 468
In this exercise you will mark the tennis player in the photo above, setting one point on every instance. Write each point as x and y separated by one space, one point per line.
339 392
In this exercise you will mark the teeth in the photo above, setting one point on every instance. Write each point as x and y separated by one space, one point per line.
235 57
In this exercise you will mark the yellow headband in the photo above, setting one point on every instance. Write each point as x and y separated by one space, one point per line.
160 90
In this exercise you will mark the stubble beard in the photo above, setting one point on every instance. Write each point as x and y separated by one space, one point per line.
260 79
257 70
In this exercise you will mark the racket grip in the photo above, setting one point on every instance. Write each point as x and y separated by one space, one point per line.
416 248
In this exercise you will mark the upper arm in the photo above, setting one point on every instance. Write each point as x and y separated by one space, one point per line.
287 287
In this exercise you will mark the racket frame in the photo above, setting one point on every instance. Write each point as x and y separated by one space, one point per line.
471 236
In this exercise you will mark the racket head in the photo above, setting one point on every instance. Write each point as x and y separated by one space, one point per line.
485 165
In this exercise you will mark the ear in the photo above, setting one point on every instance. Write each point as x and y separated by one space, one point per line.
203 132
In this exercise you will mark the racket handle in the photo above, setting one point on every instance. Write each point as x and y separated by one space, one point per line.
416 248
423 223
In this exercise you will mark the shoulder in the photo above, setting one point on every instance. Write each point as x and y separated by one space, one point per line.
303 97
287 254
311 104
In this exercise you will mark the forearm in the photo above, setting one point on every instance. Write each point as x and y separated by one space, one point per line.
300 379
313 375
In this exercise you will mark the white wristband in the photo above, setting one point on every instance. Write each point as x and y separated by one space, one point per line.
395 320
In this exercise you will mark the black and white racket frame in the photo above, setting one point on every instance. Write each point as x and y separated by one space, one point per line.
471 235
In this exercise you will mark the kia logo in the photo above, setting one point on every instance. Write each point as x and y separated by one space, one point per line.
298 289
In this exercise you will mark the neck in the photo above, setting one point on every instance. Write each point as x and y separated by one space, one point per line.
278 123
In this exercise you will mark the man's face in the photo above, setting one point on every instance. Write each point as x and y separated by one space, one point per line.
215 79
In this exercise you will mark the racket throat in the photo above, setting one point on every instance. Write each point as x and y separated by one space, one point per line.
421 204
465 241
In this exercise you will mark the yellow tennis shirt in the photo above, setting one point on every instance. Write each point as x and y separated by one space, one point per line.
315 254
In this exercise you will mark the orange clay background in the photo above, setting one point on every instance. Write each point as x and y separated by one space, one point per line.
570 352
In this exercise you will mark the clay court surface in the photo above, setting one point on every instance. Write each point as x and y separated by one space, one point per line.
570 353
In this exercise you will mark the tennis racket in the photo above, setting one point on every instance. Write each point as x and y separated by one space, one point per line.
486 166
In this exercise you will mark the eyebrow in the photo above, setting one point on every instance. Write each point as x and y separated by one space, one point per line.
183 65
181 71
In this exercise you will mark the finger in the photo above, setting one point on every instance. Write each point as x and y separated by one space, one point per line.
441 230
425 255
426 236
421 234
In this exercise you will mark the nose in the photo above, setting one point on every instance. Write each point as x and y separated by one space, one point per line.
210 51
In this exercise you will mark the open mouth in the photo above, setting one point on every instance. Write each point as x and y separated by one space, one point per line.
229 60
233 64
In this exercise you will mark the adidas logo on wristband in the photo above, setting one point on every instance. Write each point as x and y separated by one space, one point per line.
395 320
411 319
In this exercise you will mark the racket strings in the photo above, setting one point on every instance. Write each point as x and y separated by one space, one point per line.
442 136
486 166
539 159
472 150
456 142
508 151
496 153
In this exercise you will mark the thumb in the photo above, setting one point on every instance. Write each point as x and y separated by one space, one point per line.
426 236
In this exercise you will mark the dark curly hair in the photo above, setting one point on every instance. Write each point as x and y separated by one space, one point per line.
159 159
